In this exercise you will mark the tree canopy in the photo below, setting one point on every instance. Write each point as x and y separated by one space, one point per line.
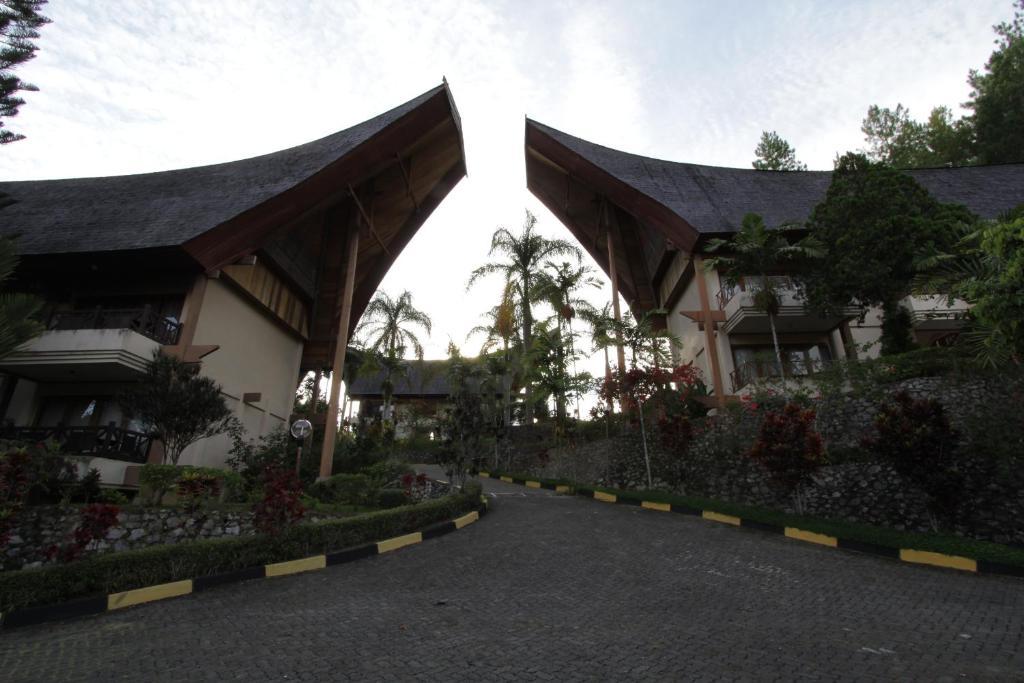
896 139
997 97
20 21
775 154
871 227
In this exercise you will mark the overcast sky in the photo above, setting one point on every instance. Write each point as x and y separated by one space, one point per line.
146 85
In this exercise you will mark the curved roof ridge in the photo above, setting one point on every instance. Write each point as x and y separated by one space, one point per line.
170 207
714 199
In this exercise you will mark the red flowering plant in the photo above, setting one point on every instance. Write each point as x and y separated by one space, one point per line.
415 486
667 394
281 505
94 522
915 437
790 448
15 483
195 491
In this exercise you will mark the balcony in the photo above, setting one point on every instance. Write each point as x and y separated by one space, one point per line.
936 312
143 320
750 372
743 316
82 355
109 442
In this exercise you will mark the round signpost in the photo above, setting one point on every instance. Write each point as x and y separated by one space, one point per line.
299 431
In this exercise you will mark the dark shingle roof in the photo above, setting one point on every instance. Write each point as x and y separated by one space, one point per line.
422 378
170 207
714 199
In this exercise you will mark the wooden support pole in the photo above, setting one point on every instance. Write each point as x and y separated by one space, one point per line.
710 343
613 274
338 366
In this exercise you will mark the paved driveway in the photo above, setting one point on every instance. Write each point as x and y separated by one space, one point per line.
553 587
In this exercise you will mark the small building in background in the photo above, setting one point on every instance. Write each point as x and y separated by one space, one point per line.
418 400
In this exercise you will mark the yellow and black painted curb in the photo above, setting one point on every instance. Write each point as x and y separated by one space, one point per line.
113 601
910 555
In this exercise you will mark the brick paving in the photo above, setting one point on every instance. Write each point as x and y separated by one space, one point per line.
552 587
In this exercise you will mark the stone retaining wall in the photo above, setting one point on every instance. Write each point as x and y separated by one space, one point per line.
39 528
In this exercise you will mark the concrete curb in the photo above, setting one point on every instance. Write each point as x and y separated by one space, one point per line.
114 601
909 555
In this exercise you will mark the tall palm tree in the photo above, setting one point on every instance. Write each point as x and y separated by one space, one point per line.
386 326
523 255
558 285
502 325
756 252
17 311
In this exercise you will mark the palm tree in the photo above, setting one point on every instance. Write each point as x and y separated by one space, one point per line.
502 325
17 311
386 326
756 252
558 285
524 255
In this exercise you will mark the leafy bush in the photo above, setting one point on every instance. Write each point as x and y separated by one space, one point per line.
391 498
386 472
789 448
915 438
347 489
281 505
159 479
114 572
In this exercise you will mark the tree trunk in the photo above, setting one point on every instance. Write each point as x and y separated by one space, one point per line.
527 338
778 351
643 435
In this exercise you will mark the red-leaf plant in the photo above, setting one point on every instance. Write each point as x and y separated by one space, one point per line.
94 522
14 486
415 486
789 448
281 505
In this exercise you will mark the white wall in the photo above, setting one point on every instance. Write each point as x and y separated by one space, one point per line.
256 355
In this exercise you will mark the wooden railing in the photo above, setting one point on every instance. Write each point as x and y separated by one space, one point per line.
751 371
752 284
105 442
142 320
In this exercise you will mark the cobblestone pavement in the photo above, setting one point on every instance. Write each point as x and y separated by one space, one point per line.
553 587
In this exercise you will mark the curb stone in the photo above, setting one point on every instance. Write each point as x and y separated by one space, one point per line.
114 601
907 555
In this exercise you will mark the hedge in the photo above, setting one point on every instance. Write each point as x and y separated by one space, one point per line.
883 536
116 572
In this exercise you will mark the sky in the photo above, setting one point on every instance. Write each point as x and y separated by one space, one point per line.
146 85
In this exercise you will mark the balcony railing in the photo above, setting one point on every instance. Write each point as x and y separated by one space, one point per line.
104 442
751 371
752 284
143 320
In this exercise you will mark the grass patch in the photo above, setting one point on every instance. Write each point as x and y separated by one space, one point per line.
866 533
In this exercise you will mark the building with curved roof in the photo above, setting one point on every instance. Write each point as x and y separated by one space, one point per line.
261 268
645 221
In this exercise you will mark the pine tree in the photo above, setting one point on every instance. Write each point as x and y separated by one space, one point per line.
20 21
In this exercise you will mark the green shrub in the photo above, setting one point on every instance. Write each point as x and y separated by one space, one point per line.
347 489
115 572
158 480
386 472
473 489
391 498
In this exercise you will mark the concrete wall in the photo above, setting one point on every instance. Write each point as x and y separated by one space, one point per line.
256 355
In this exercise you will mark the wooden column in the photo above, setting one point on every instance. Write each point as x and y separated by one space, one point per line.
710 343
849 346
338 365
613 275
